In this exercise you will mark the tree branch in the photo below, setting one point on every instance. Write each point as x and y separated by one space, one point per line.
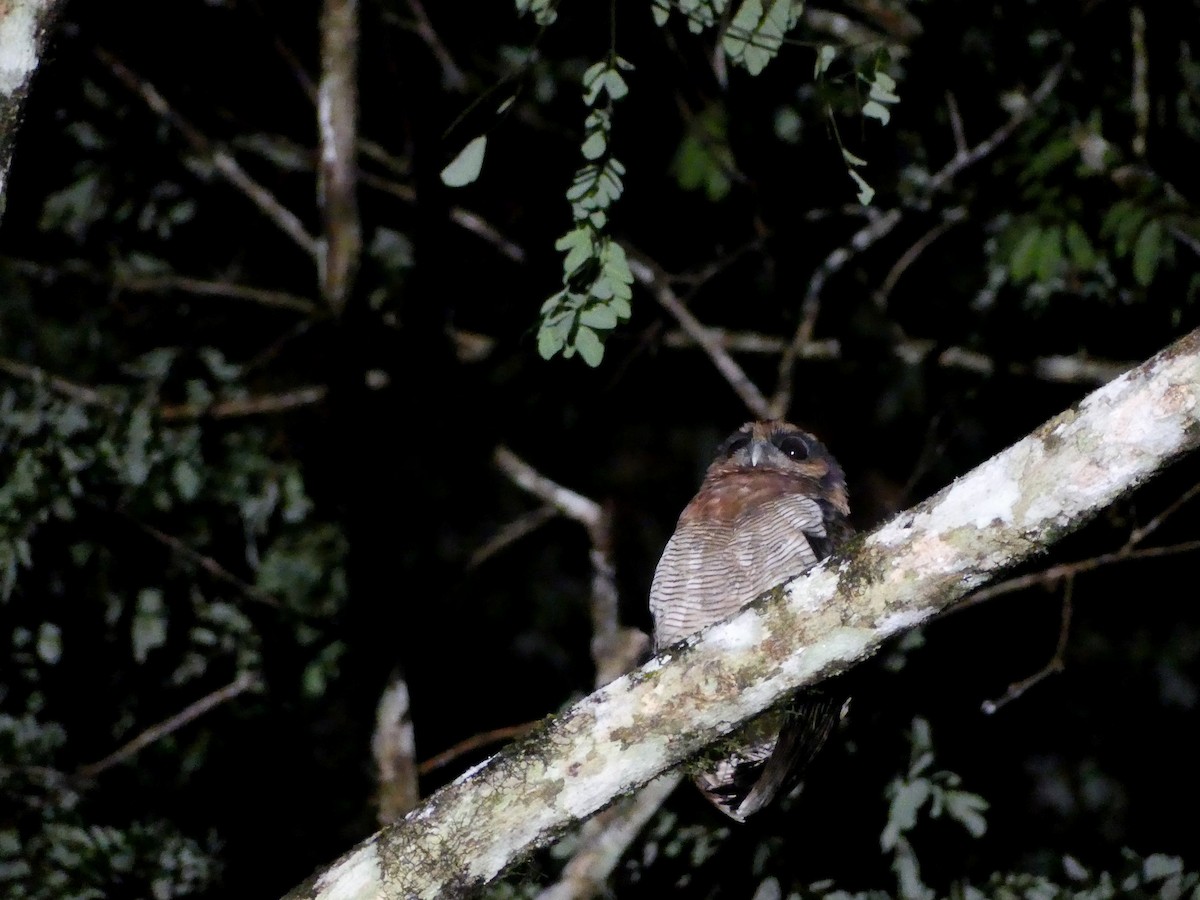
244 682
221 159
337 125
887 582
23 30
702 335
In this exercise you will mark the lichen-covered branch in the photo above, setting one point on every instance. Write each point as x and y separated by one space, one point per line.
24 25
899 576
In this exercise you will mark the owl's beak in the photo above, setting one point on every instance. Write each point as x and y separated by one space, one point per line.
758 451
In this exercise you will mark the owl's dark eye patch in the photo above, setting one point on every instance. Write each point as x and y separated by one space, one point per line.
736 443
793 445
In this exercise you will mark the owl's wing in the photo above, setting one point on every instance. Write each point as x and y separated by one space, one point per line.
712 567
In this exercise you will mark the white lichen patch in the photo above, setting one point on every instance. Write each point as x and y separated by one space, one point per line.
357 877
740 634
18 46
987 497
903 620
813 592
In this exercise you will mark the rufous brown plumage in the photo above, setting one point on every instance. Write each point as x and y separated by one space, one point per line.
772 505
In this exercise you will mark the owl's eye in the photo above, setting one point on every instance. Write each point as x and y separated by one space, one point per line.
736 444
794 446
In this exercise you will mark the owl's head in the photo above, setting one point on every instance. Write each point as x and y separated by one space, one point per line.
779 447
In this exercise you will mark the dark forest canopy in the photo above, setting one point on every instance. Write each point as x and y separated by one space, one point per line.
276 427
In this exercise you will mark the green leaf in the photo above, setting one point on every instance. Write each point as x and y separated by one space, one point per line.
1080 249
851 159
1049 253
599 317
826 55
49 643
615 84
866 193
1147 251
907 800
595 145
149 627
466 166
1023 260
967 809
756 33
578 246
186 479
589 345
873 109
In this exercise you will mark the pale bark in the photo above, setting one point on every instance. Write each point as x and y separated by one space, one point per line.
894 579
24 25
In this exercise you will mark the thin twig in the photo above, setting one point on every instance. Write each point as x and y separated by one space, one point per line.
1056 664
873 231
951 218
963 159
1067 570
511 533
453 78
1140 534
244 682
956 124
737 379
464 218
1139 95
257 405
207 288
474 742
221 159
615 650
81 393
205 563
571 504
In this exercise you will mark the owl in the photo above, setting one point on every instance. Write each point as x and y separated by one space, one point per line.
772 505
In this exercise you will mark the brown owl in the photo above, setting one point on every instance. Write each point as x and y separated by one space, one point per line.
772 505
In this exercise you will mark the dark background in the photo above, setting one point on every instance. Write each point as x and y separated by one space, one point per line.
359 514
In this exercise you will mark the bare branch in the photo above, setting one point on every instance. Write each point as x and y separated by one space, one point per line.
206 288
221 159
615 650
730 370
572 505
892 580
956 125
1070 570
337 128
874 230
471 221
205 563
949 219
1063 369
81 393
604 839
453 78
1139 98
474 742
258 405
244 682
511 533
1056 664
394 747
986 147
